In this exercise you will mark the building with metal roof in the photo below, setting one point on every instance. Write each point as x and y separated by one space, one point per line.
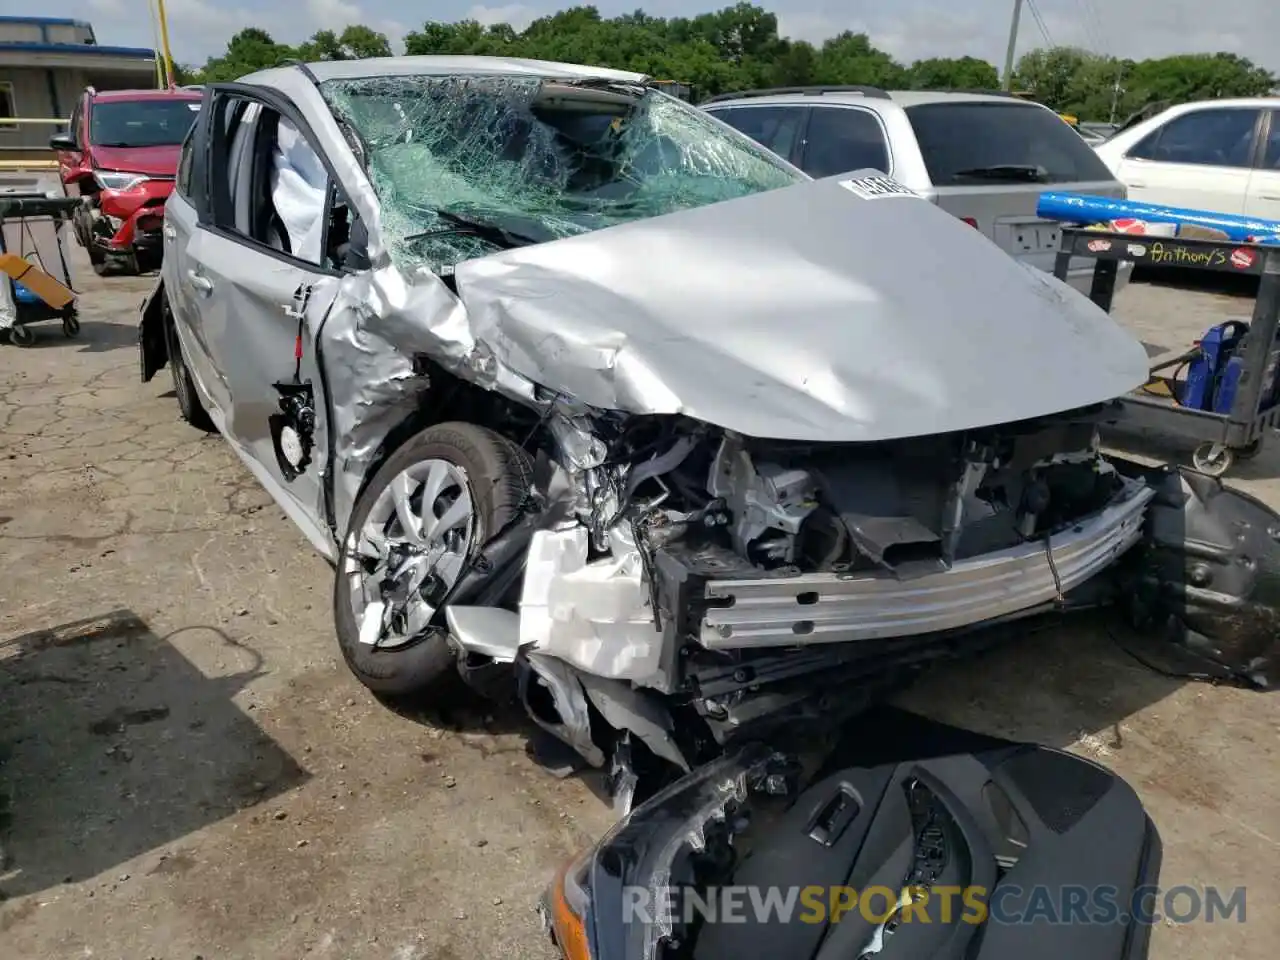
45 64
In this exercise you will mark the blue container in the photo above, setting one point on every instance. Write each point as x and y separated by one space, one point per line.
1206 375
22 295
1085 209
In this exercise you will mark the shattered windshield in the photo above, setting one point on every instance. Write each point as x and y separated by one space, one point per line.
467 165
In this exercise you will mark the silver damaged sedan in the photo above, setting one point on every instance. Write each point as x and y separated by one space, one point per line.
575 384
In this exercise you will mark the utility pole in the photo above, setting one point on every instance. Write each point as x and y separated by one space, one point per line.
1013 44
1115 95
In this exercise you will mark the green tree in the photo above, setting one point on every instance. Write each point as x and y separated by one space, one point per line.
948 73
738 47
249 50
1050 76
850 58
1200 76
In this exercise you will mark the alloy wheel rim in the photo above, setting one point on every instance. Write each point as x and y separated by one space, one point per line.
409 552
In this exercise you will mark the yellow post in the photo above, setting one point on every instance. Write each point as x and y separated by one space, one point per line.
164 39
155 43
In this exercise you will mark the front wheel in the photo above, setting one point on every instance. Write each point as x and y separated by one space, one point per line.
414 532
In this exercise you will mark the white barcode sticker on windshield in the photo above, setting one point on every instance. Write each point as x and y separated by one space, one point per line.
877 188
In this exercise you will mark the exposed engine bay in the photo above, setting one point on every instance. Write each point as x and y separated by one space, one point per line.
906 507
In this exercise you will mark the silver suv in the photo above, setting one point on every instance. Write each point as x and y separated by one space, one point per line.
984 158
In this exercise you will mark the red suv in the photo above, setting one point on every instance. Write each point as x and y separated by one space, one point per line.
121 155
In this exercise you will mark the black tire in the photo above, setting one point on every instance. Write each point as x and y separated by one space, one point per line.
499 474
1250 450
189 404
97 260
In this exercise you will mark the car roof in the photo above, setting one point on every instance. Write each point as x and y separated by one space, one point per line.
442 66
915 98
868 96
107 96
1263 102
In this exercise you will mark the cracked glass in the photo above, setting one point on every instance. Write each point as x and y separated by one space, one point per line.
466 165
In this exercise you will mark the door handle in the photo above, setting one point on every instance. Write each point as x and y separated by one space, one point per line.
203 284
1137 183
1268 196
169 232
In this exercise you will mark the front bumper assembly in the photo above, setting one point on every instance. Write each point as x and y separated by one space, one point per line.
833 607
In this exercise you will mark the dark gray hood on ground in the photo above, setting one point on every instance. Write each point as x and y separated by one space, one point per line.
804 313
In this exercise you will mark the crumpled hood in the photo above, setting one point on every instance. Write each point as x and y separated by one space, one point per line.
806 313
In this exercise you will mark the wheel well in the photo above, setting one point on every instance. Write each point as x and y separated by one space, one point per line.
449 397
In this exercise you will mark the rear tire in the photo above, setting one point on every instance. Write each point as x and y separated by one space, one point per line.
189 404
497 475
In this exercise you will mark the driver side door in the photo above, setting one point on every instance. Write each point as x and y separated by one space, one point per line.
266 281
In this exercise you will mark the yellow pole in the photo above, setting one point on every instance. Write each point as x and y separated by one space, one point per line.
164 39
155 43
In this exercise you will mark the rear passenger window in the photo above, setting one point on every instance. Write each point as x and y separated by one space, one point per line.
840 139
1221 137
777 128
969 142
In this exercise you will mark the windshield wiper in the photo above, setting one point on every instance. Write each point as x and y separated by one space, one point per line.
1006 171
498 236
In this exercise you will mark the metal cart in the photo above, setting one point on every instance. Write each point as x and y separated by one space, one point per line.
1255 409
34 227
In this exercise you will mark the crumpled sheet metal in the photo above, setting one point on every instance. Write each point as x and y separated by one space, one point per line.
804 313
378 323
594 615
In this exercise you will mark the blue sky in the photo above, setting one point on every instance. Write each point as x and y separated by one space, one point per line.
909 29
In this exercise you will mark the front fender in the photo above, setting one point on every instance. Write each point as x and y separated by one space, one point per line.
153 346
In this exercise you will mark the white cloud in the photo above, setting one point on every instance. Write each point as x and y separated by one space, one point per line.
516 14
109 8
333 14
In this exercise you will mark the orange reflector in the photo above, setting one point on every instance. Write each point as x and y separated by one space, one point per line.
570 928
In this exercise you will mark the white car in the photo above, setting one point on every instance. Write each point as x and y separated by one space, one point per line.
1219 155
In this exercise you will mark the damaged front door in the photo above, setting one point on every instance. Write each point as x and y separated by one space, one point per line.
270 281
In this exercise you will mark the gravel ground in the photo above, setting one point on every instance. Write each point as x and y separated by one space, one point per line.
187 769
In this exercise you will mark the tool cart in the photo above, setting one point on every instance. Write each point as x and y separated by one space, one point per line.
1224 393
33 265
